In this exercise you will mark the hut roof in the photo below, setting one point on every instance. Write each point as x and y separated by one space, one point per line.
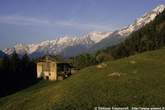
51 58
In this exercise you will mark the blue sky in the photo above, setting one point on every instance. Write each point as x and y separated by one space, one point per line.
32 21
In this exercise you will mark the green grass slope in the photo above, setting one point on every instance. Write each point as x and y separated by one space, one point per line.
136 81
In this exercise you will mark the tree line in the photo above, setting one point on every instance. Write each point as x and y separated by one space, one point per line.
85 60
16 73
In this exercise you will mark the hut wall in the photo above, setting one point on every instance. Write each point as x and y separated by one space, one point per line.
39 70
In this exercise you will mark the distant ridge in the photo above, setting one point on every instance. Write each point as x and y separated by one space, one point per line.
65 46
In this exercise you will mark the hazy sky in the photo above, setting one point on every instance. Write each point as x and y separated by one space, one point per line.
32 21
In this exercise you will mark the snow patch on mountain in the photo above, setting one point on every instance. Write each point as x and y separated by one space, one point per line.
140 22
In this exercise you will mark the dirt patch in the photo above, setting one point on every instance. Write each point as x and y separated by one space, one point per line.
102 65
133 62
135 71
115 75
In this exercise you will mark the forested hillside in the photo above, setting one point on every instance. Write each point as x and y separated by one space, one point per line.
149 37
16 73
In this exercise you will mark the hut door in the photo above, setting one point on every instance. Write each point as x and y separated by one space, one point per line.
47 77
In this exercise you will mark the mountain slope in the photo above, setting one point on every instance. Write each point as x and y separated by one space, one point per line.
134 81
121 34
149 37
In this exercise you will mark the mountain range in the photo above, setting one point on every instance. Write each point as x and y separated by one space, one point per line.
68 46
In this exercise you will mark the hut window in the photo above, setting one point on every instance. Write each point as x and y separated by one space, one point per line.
46 66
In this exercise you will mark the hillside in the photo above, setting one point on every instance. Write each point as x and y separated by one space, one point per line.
136 81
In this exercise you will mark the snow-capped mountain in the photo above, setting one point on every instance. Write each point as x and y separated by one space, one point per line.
121 34
65 46
140 22
70 46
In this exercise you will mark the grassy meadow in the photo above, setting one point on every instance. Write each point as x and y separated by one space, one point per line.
134 81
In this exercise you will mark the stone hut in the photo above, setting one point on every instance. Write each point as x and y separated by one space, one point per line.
51 68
